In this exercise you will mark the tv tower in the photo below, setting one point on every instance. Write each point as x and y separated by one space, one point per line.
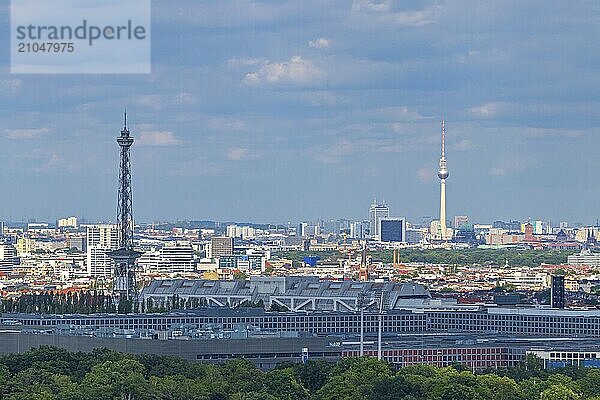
443 174
124 257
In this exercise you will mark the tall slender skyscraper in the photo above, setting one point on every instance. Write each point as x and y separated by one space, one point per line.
125 256
443 174
376 213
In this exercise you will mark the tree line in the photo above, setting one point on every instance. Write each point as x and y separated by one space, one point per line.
91 302
460 257
53 302
50 373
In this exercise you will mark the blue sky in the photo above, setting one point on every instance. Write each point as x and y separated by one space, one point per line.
281 111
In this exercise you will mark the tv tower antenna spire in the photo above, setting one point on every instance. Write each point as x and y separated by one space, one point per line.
124 279
443 175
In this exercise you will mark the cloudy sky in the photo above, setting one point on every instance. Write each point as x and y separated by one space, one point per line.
276 111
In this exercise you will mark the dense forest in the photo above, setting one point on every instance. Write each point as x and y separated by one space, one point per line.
50 373
515 257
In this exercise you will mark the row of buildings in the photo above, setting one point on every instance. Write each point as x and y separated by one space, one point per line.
401 323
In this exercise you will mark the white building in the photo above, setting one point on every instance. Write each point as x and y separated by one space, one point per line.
243 232
586 257
101 240
356 230
70 222
376 213
526 281
175 257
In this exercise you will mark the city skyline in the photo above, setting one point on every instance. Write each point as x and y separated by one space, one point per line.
273 124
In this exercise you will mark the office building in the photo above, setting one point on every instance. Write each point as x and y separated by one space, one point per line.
376 213
78 242
70 222
177 257
585 257
25 246
557 291
415 236
356 230
172 258
466 234
101 240
300 229
460 220
392 230
538 228
242 232
8 257
221 246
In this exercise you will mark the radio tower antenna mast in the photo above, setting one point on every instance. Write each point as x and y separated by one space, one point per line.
124 279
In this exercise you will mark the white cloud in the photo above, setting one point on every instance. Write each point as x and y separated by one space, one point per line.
296 70
371 5
320 43
426 16
426 174
549 132
321 98
54 160
185 99
10 85
463 145
496 171
384 13
158 138
244 62
488 110
152 101
226 124
336 152
18 134
240 154
199 166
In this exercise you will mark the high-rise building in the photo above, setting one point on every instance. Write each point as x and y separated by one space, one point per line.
392 229
460 220
101 240
376 213
557 292
25 245
177 257
305 230
104 236
221 246
302 229
171 258
356 230
443 175
8 257
538 227
1 228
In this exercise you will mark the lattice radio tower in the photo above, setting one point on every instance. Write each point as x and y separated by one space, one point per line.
124 280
